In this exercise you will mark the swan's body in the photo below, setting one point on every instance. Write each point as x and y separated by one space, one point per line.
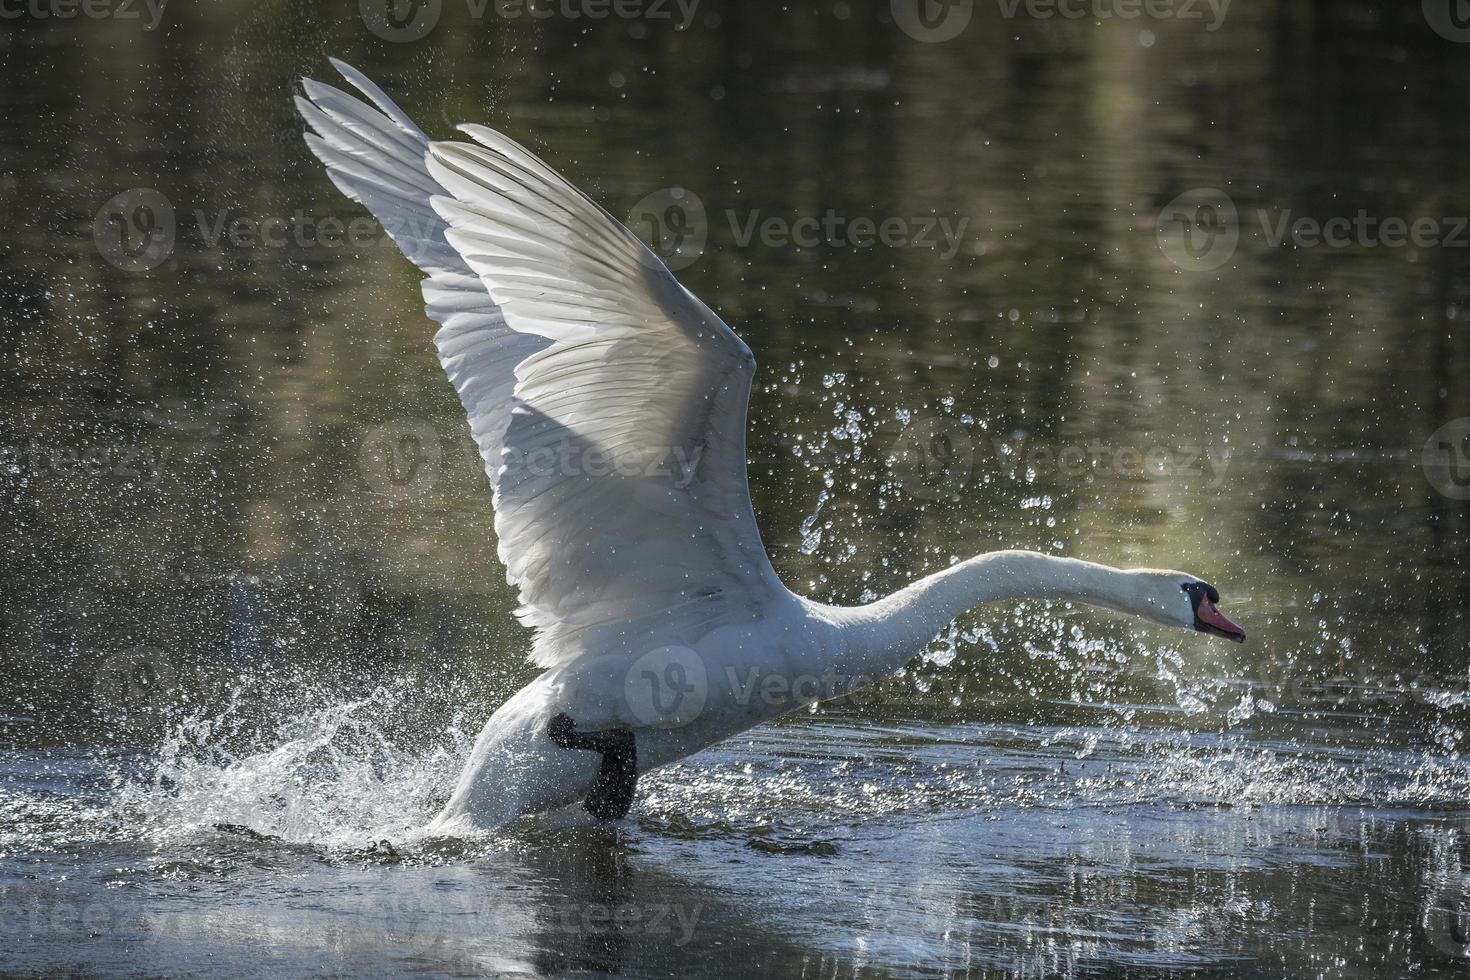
609 405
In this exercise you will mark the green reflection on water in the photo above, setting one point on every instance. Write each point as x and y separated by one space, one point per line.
229 408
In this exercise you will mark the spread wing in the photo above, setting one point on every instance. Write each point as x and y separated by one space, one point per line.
376 156
608 402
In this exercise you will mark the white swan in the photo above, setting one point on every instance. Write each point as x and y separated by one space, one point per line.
609 405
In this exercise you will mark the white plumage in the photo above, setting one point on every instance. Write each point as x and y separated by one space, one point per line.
609 405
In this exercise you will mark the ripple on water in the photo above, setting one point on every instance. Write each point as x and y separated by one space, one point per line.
913 844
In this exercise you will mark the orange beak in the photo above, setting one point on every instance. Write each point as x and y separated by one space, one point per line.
1209 619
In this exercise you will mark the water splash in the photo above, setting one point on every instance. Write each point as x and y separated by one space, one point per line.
840 774
331 774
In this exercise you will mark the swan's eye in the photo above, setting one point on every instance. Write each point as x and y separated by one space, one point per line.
1198 590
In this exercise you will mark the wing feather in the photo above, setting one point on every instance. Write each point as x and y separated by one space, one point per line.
623 509
607 401
377 156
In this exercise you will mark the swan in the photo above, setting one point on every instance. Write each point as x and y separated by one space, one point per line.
609 406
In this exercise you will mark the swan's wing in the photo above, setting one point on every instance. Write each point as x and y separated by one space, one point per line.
621 503
376 156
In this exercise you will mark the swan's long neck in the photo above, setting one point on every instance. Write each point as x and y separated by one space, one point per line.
882 637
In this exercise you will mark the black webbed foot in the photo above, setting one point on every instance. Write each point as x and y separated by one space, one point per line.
611 795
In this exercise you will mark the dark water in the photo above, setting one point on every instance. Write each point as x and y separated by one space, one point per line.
1141 298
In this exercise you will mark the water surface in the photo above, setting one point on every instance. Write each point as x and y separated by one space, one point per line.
253 616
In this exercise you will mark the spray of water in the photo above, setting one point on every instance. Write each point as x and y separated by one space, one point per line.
329 772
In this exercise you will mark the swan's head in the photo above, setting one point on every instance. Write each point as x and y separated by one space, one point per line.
1184 600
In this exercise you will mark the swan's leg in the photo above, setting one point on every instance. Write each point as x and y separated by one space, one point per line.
611 795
